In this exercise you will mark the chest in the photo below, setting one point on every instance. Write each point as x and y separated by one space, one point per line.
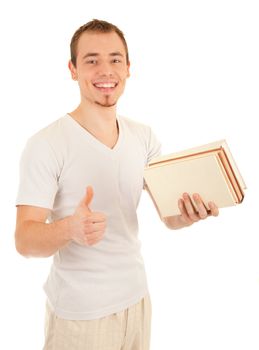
116 176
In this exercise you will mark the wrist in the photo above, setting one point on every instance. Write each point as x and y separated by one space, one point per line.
65 228
175 222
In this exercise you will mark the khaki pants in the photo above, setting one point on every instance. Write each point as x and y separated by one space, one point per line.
125 330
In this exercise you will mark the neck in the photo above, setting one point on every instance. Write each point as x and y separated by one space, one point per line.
95 118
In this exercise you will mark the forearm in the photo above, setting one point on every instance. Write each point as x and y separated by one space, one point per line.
39 239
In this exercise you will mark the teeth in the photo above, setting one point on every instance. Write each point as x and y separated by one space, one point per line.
105 85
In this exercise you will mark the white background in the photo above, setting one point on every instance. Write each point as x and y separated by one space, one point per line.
194 79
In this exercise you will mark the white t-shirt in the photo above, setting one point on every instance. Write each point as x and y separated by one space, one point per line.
57 165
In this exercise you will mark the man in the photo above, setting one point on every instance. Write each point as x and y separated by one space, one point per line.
96 291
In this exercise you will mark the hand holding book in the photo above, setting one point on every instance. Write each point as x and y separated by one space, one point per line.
208 170
190 214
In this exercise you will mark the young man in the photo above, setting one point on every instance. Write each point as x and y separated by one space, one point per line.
97 291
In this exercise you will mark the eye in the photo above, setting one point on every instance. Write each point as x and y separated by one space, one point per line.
116 60
91 61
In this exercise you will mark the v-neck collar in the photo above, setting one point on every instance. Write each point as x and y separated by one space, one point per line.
93 140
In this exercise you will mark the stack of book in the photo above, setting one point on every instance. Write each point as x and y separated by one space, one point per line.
209 170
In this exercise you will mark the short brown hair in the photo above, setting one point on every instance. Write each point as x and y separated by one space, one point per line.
96 26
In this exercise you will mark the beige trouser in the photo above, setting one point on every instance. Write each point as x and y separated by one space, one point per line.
125 330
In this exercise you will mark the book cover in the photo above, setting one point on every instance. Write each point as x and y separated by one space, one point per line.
209 170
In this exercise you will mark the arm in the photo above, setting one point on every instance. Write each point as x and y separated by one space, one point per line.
35 237
188 214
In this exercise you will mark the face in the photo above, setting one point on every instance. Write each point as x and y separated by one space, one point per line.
101 69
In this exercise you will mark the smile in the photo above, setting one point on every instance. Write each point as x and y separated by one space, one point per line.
105 85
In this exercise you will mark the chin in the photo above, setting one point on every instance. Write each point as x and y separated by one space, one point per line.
106 103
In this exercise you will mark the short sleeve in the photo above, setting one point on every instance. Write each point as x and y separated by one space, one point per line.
39 174
154 146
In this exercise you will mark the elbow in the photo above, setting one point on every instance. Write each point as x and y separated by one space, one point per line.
21 250
21 246
21 243
26 249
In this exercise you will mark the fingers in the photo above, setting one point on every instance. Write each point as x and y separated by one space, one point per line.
90 239
95 217
85 202
213 208
93 238
94 228
184 217
193 210
91 233
87 227
201 209
190 210
89 195
91 227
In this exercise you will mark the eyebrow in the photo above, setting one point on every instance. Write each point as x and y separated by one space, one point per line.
95 54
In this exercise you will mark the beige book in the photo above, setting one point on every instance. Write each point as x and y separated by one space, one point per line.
209 170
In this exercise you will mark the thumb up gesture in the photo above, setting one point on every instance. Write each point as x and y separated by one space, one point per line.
87 227
83 207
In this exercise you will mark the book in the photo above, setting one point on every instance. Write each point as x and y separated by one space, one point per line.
209 170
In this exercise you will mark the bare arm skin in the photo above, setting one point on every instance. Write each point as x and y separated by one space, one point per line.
34 237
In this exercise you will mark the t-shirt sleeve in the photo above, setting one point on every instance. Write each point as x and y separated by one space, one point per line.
154 146
39 173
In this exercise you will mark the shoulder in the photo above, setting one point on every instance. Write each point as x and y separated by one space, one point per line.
144 135
51 132
46 144
52 138
134 126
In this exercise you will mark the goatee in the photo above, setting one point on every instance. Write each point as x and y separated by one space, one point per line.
106 103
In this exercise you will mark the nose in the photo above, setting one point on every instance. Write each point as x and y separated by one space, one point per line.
105 68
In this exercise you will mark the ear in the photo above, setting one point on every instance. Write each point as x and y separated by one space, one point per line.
128 70
72 69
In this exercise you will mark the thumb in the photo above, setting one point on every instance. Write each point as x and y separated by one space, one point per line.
87 198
